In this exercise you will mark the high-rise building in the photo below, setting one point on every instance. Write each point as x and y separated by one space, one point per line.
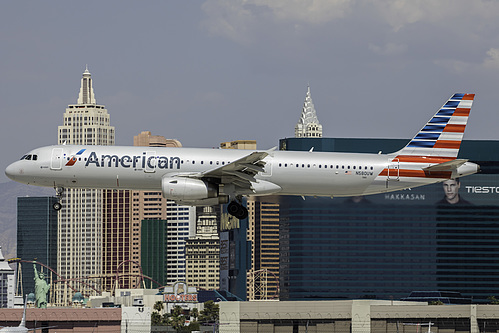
150 205
263 233
7 285
202 252
235 248
154 242
36 236
387 245
308 126
80 221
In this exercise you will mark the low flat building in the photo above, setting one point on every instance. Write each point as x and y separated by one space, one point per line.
125 319
356 316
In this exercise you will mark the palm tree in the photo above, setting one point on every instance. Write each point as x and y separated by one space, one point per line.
158 306
177 319
195 313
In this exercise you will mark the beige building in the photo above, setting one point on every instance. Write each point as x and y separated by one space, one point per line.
239 144
356 316
263 232
80 221
202 253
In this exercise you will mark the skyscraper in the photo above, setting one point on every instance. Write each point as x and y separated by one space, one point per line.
203 252
36 236
308 126
79 246
263 233
387 245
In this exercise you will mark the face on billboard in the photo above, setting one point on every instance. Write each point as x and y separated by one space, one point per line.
451 190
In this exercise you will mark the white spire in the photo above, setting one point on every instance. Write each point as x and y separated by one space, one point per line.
86 95
308 125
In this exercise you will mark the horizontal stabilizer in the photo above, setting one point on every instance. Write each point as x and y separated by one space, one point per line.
446 166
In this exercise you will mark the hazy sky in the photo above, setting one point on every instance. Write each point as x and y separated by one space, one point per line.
209 71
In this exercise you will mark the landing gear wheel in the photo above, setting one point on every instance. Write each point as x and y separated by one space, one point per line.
237 210
242 213
59 191
57 206
232 208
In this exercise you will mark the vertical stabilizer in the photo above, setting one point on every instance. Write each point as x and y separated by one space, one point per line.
442 135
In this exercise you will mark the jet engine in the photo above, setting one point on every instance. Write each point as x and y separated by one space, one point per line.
187 189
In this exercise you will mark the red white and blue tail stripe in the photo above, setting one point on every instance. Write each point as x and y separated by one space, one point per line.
432 153
442 135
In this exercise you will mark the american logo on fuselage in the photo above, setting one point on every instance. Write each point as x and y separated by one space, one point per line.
74 158
136 161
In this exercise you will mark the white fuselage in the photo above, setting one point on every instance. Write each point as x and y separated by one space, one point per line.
142 168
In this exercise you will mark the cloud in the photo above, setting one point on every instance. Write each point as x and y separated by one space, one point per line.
389 49
492 60
239 20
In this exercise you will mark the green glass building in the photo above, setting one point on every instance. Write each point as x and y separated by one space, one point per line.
154 240
36 236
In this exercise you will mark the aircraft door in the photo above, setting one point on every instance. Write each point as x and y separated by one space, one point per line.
56 160
393 170
151 161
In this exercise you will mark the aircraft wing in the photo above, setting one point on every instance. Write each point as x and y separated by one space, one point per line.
446 166
240 172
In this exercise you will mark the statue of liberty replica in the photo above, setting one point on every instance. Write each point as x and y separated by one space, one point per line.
41 289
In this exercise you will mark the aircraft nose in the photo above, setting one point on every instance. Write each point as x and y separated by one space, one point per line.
13 171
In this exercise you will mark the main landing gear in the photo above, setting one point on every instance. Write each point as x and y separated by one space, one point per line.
237 210
58 193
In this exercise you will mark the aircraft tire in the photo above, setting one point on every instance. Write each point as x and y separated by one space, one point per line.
242 213
57 206
233 208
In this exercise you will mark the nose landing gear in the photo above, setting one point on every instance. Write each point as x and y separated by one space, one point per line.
58 193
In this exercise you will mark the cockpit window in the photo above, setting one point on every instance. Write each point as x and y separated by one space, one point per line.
30 157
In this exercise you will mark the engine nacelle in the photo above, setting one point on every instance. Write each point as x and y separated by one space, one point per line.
187 189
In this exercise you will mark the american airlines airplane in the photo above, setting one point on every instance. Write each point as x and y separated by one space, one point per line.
203 177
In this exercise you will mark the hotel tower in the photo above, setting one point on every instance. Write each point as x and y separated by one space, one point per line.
80 221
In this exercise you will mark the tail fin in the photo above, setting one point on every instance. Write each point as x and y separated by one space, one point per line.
441 136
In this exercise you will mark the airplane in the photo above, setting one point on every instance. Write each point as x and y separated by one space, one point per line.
205 177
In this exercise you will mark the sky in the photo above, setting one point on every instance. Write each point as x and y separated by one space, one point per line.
205 72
